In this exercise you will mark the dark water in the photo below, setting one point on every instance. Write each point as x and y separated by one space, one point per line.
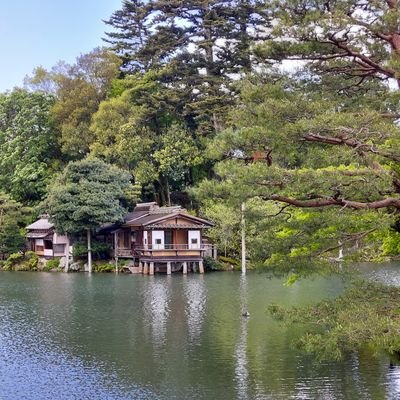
73 336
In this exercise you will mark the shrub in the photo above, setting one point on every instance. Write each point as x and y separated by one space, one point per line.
22 262
52 264
103 267
211 264
12 261
32 261
228 262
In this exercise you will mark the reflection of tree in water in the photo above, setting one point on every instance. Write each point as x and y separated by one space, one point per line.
196 294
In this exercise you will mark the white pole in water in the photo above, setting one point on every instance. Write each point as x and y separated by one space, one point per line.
89 248
243 240
66 252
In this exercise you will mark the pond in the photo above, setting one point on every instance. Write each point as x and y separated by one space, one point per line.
74 336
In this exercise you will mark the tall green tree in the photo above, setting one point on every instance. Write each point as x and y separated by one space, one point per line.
359 40
142 130
279 120
29 149
13 218
78 88
87 194
203 43
329 135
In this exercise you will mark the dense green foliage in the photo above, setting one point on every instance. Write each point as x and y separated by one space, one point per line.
299 174
191 97
13 217
320 143
78 90
28 145
201 44
367 314
53 264
87 194
28 261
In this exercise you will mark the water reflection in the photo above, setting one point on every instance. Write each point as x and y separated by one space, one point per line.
387 273
393 382
241 372
195 300
136 337
156 307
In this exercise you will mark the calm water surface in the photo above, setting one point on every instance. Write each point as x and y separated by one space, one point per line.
73 336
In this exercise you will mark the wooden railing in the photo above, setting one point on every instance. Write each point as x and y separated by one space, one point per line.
172 247
126 252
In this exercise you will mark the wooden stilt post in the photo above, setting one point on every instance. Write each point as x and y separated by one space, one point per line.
151 268
185 268
201 267
169 270
140 267
146 268
116 265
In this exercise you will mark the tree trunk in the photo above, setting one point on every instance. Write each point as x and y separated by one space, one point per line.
164 190
161 191
89 248
168 193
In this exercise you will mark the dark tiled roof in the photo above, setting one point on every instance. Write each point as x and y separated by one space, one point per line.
152 219
42 224
177 226
134 214
105 228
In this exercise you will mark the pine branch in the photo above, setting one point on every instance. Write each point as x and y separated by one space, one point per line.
330 201
350 142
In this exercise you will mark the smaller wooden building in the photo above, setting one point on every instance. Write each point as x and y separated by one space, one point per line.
162 239
45 241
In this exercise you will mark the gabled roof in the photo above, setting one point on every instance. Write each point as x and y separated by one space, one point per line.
155 219
41 224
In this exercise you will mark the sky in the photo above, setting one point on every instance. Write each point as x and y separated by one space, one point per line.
42 32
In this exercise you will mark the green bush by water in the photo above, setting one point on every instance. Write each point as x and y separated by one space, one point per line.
211 264
52 264
22 262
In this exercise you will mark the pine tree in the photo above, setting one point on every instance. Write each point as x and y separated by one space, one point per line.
203 44
359 40
87 194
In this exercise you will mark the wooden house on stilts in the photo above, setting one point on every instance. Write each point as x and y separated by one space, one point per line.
161 239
